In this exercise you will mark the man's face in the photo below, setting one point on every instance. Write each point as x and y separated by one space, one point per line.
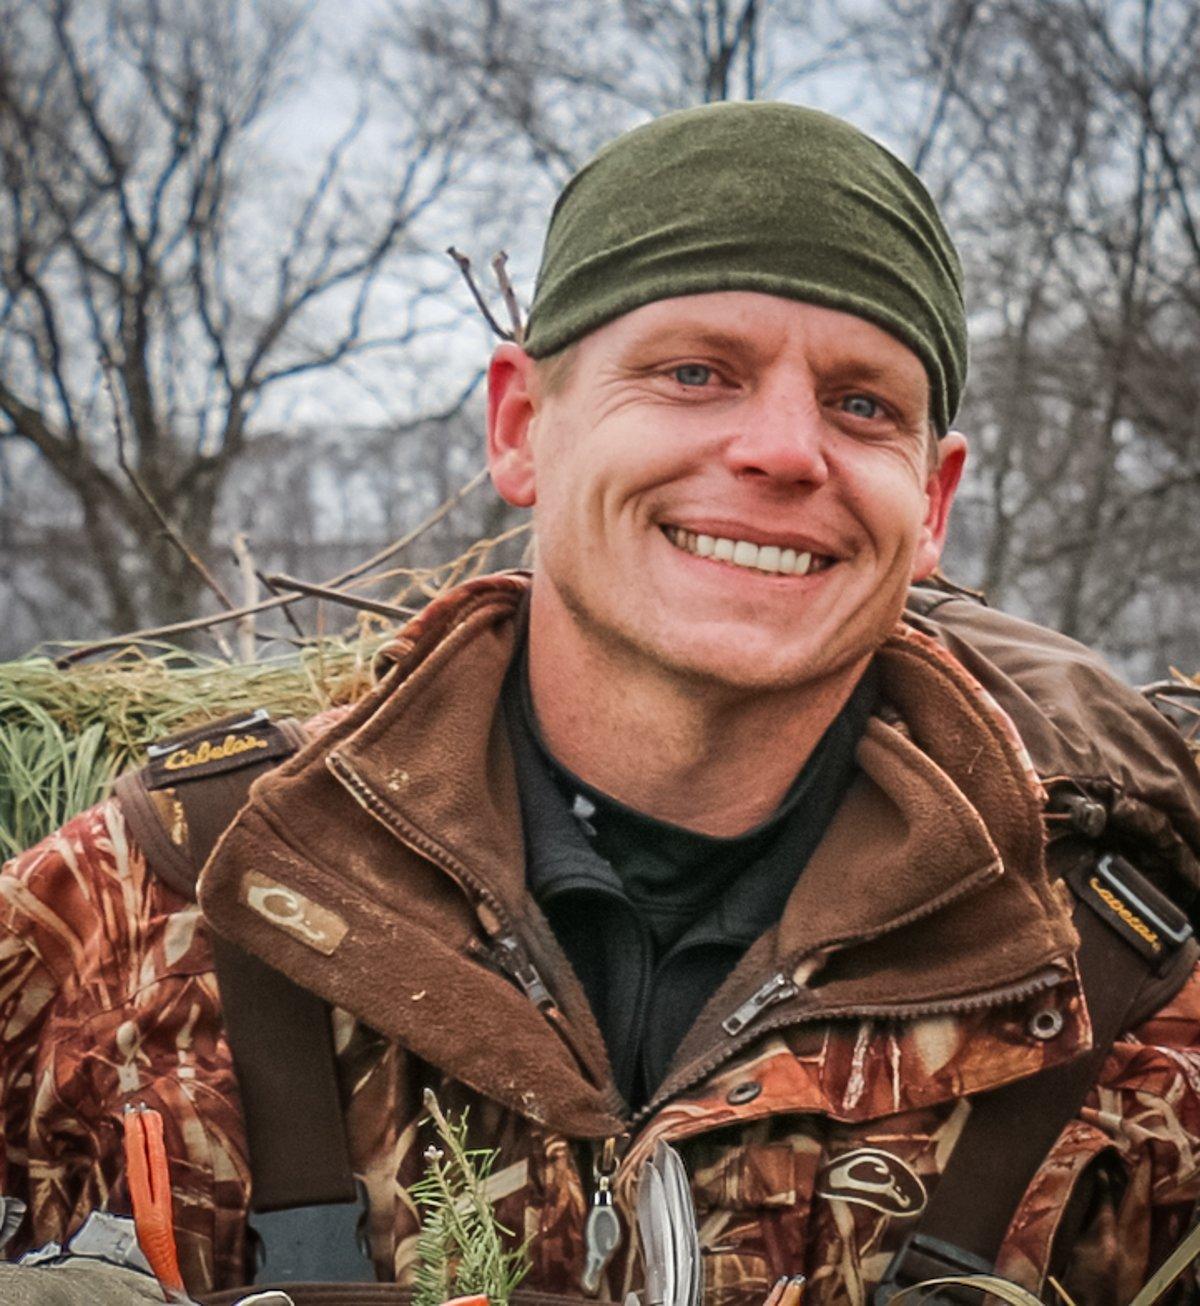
734 488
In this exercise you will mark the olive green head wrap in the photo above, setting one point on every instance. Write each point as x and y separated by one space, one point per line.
762 196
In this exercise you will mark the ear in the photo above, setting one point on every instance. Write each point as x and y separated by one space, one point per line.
939 495
510 412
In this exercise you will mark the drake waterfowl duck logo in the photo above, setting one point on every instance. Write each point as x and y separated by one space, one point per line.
871 1177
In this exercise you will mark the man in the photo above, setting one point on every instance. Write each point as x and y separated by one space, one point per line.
695 835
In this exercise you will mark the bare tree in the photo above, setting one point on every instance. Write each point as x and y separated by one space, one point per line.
163 280
1064 139
544 84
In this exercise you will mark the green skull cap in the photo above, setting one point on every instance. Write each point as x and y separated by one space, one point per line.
759 196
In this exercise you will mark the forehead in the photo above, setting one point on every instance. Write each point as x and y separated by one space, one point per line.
762 327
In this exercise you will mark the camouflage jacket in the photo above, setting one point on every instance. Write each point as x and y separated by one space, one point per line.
818 1095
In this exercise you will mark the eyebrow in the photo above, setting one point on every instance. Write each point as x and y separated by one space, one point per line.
694 337
895 378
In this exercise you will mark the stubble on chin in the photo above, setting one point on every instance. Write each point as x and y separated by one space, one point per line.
715 667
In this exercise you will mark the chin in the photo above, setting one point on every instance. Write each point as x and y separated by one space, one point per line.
750 662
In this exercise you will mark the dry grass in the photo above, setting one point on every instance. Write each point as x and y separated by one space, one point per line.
65 732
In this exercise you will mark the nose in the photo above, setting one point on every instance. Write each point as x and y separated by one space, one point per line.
780 438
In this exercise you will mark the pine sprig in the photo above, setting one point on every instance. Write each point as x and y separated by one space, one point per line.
461 1248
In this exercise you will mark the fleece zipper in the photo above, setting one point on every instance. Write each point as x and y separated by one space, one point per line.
780 989
505 951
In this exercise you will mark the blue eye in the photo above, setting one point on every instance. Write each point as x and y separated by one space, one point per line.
860 406
693 374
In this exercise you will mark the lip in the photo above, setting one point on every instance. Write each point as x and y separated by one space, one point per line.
730 573
754 535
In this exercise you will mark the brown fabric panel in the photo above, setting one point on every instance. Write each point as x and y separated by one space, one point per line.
281 1041
279 1034
1077 719
1011 1130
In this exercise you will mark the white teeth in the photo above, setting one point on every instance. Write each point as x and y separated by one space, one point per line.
743 553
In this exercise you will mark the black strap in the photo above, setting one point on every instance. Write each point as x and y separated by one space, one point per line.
279 1034
1011 1130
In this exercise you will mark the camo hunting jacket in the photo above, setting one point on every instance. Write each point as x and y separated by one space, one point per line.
927 954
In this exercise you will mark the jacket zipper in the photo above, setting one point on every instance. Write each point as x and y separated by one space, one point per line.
602 1229
514 961
504 950
779 988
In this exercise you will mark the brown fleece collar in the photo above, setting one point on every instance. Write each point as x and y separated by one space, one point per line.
398 837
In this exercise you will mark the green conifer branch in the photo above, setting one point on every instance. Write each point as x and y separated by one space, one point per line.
462 1248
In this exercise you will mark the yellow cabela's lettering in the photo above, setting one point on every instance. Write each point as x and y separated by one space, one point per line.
207 751
1135 923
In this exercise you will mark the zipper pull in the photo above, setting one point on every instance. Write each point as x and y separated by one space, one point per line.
602 1232
777 989
514 961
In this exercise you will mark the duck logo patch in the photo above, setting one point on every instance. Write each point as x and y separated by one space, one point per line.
313 925
871 1177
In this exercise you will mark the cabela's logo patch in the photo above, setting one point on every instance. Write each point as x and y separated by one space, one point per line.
1124 913
206 751
873 1178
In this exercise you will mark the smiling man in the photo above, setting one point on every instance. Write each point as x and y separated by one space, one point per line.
733 492
720 828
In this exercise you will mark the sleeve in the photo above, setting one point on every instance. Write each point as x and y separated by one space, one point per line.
1148 1104
57 910
27 992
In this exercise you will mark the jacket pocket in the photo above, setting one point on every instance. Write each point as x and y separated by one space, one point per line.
753 1200
1069 1222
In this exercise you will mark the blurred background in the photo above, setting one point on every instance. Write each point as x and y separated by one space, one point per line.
228 320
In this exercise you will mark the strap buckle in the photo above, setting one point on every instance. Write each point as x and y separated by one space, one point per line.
1129 904
921 1257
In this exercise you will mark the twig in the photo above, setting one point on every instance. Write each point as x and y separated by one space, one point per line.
1063 1295
175 628
1183 688
336 596
504 281
286 609
280 600
1170 1269
241 551
415 534
943 582
149 500
464 266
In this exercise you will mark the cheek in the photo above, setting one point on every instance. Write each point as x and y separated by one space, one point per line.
888 499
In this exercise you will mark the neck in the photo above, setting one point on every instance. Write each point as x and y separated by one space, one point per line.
698 754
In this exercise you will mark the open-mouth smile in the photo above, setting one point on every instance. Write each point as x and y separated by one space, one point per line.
768 558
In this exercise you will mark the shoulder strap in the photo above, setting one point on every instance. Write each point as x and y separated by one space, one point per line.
1136 950
279 1034
194 784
